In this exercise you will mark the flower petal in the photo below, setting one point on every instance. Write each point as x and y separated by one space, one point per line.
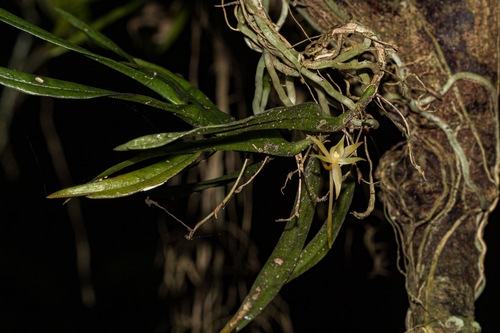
323 158
336 174
350 149
324 161
320 145
350 160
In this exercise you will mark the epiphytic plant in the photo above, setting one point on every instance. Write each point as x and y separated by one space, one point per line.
351 50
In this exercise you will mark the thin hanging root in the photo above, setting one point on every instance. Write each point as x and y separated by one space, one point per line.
298 160
223 5
296 212
300 163
219 206
407 133
266 159
300 169
189 236
371 202
288 177
150 202
297 22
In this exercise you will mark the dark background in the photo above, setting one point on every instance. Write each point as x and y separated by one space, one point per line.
39 281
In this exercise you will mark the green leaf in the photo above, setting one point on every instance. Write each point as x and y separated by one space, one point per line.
143 179
179 87
186 91
94 35
149 81
266 142
115 14
129 162
174 89
285 256
45 86
306 116
318 247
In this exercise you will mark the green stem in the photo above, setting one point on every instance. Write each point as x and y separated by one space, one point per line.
330 211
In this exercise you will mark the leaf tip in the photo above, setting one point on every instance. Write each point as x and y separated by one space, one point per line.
120 148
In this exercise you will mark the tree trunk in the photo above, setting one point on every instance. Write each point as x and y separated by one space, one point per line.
439 187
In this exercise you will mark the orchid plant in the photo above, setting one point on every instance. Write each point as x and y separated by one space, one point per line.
161 156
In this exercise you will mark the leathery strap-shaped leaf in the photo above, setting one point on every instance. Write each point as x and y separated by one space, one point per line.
175 90
46 86
318 247
139 180
182 88
268 142
305 116
149 81
284 257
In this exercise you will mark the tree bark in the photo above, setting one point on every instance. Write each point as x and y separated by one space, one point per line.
440 186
